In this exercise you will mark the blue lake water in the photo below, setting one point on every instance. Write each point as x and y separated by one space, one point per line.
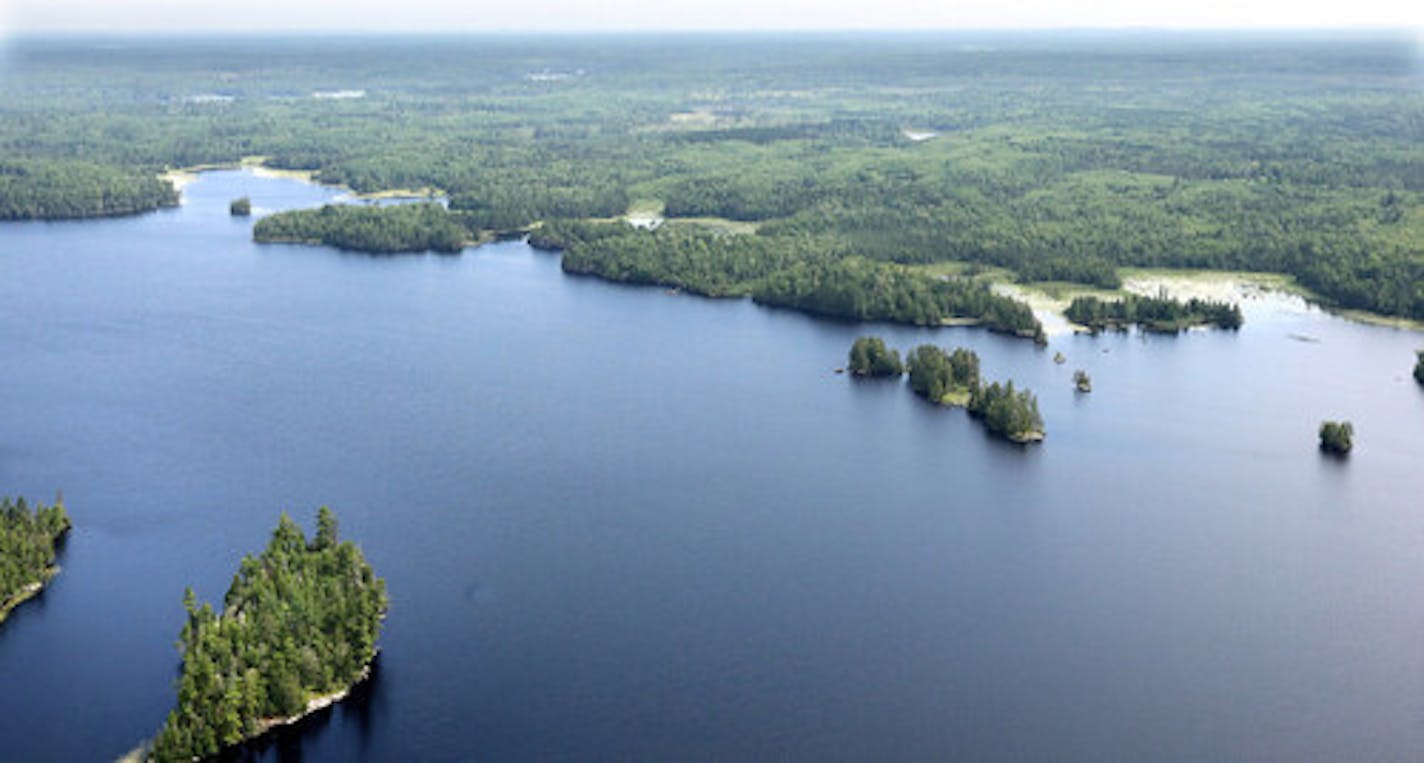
621 524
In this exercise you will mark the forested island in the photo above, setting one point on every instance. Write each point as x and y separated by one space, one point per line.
55 189
1337 437
1158 314
297 629
399 228
1045 158
1419 368
952 378
1008 413
870 357
945 378
240 207
28 542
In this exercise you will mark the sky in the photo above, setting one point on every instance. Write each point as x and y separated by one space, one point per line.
30 16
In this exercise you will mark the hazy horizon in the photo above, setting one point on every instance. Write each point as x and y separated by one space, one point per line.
33 17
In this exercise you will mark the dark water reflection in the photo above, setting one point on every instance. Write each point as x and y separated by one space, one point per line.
621 524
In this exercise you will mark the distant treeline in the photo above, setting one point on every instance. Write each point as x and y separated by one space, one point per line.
1161 314
423 227
27 548
1055 160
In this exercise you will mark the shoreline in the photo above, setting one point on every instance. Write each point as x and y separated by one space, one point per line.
314 705
1048 300
257 165
35 588
26 592
269 726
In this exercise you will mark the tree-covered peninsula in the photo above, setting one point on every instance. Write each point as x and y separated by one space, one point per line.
28 540
870 357
297 629
799 272
1160 314
62 189
422 227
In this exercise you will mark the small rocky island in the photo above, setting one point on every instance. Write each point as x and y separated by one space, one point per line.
296 632
1337 437
240 207
870 357
1081 381
29 540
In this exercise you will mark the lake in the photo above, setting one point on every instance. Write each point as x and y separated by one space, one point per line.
617 523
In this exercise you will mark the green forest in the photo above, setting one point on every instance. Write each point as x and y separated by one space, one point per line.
870 357
424 227
952 378
1160 314
1055 157
299 621
946 378
28 538
1006 412
58 190
800 272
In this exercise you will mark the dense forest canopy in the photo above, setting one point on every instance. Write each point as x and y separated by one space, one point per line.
57 190
27 547
870 357
299 621
1060 156
424 227
1007 412
944 377
801 272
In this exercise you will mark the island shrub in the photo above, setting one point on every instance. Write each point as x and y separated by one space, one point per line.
870 357
1419 368
299 621
1081 381
28 539
241 207
1337 436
